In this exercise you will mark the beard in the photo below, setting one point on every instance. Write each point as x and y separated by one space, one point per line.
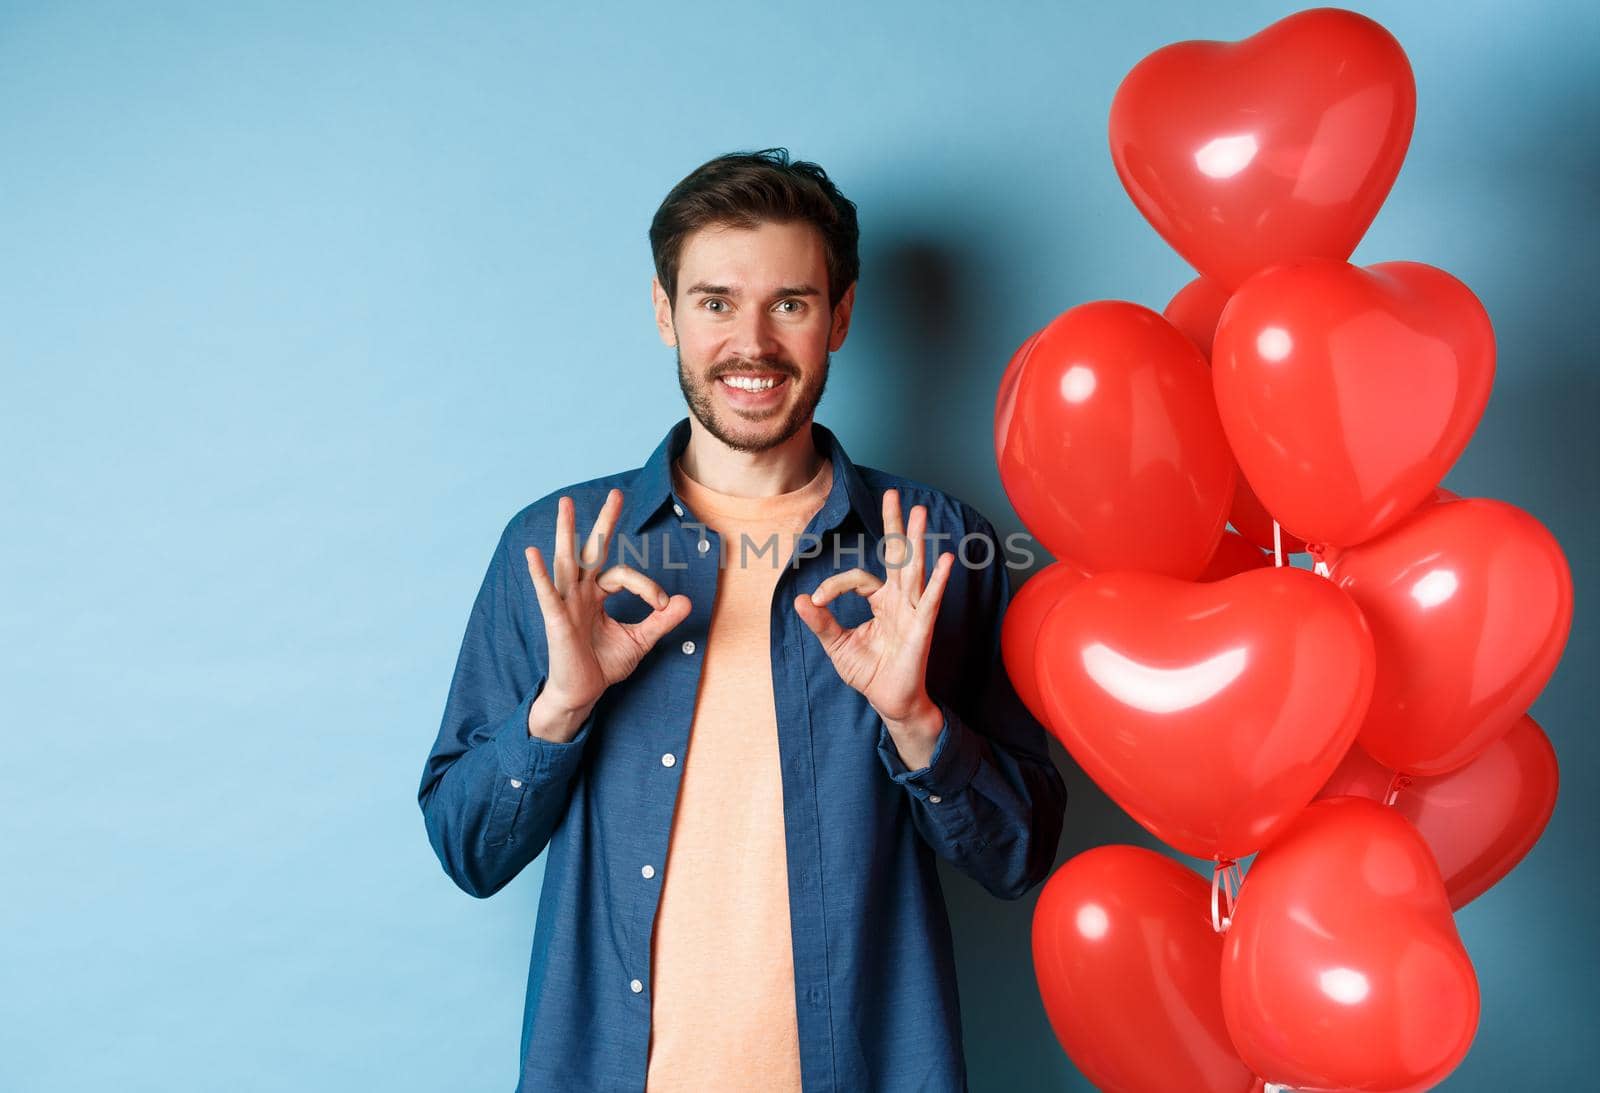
744 434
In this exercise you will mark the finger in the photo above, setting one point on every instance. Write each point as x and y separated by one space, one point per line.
566 546
892 523
551 605
895 555
656 625
619 577
933 595
916 527
855 580
819 620
598 544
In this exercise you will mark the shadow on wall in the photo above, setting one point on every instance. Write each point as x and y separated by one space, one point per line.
916 332
934 337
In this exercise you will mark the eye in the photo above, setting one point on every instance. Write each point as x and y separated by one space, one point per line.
721 304
797 306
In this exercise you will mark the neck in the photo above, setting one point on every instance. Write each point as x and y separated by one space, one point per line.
780 469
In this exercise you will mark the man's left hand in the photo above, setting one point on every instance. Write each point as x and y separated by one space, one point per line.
886 657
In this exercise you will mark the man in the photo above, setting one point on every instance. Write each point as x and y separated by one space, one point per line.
743 775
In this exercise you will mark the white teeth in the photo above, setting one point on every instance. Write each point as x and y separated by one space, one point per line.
744 383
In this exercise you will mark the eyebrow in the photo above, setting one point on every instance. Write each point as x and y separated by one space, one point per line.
705 289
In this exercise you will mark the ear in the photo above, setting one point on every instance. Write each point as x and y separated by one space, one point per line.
663 306
841 318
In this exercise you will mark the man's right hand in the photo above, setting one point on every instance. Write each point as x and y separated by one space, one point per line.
590 650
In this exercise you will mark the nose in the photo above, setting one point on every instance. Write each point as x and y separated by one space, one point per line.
756 336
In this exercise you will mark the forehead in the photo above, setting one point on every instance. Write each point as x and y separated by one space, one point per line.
766 256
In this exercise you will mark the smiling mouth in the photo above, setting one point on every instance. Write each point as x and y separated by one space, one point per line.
751 386
752 383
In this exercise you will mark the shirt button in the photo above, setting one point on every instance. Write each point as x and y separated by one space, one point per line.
677 508
934 798
668 759
636 986
688 647
705 545
648 871
516 783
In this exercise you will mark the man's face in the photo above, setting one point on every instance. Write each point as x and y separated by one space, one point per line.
752 307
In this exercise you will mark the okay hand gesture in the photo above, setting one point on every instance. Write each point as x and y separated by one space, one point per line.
886 657
590 650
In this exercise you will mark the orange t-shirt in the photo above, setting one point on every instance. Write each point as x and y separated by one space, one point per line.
722 979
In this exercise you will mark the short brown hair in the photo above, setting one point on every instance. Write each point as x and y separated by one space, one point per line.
745 189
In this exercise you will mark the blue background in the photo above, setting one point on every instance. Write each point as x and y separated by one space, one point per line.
299 303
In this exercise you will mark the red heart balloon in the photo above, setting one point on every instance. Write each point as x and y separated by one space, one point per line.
1195 311
1128 969
1479 820
1212 713
1342 968
1235 554
1347 393
1470 602
1019 630
1111 453
1283 145
1005 401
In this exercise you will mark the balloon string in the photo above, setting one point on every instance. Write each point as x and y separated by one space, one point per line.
1277 545
1226 877
1396 784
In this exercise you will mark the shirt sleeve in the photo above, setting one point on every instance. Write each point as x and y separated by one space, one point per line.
990 801
492 793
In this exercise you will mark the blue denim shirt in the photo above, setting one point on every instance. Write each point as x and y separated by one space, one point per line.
875 986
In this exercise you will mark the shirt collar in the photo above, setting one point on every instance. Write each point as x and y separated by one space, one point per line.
652 484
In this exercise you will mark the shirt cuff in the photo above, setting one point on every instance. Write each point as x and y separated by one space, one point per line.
955 760
528 758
